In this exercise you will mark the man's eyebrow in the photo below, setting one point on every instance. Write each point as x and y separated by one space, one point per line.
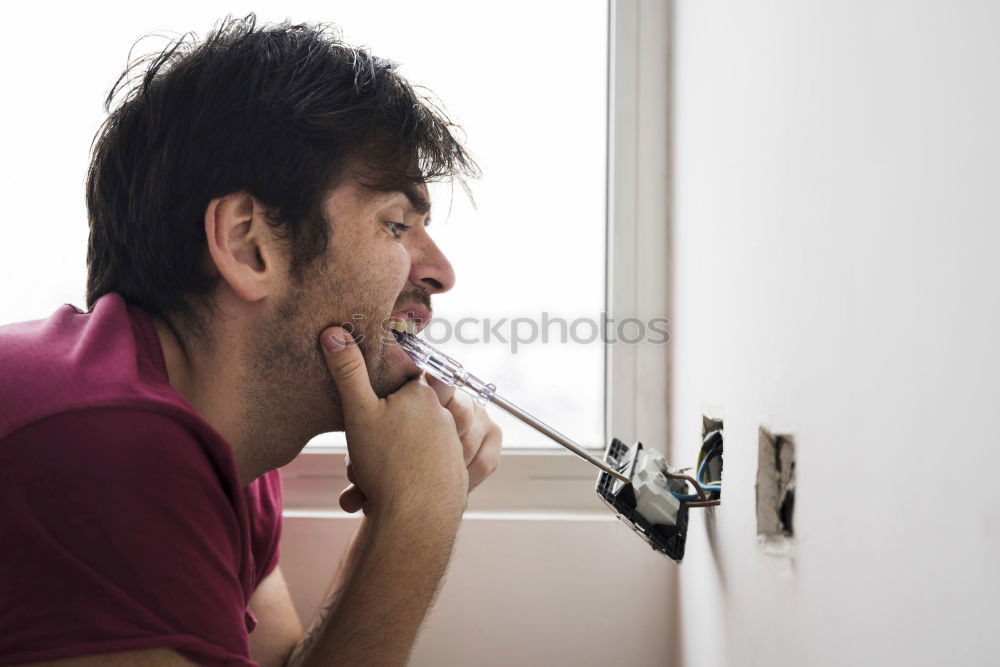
417 200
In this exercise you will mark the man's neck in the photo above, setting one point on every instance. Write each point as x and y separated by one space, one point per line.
210 383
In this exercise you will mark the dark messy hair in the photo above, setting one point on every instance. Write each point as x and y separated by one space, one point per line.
277 111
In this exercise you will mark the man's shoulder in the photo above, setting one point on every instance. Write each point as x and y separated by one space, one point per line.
74 360
126 534
99 441
118 469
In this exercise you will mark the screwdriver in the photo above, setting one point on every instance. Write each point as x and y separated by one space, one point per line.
431 360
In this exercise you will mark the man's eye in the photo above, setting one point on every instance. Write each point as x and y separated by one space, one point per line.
396 228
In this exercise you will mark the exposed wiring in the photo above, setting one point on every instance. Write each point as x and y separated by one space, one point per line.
700 498
702 488
707 452
690 480
694 496
704 461
701 470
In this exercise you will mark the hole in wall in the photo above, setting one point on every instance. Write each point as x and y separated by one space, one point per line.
775 485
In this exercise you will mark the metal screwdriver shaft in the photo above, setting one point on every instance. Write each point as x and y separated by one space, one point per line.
555 435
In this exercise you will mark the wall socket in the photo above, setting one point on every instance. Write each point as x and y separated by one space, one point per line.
775 486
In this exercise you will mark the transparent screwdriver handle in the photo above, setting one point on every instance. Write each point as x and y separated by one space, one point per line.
443 367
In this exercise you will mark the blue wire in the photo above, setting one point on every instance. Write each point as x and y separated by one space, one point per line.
701 473
695 496
704 487
700 479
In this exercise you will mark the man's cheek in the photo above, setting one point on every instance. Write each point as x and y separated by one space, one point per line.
396 272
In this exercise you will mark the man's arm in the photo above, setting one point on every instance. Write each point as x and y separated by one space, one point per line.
278 626
397 557
408 457
381 593
276 615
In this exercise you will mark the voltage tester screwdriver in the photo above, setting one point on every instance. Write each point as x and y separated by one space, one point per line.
444 368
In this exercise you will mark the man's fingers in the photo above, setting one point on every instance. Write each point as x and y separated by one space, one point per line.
352 499
488 457
481 438
473 426
444 391
347 367
461 406
471 421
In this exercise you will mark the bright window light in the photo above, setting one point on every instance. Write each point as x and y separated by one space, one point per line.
526 80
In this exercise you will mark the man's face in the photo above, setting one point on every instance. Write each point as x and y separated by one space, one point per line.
380 264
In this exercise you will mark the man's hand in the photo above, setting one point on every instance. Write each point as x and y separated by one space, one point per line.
407 454
480 436
405 449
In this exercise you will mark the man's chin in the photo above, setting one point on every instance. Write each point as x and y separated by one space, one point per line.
398 370
393 382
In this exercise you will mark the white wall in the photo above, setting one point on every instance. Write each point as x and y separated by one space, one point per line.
522 589
835 230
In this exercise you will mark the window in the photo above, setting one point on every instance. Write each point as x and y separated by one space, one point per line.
570 210
635 403
532 98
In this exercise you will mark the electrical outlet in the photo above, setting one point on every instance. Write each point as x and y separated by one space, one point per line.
775 486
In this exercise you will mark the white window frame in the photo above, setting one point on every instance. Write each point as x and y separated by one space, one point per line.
637 266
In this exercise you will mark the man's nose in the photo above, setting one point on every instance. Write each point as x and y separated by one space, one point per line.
430 268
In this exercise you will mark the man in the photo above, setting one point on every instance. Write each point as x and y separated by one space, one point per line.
258 210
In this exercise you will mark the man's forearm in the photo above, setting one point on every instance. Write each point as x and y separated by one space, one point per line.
347 563
381 595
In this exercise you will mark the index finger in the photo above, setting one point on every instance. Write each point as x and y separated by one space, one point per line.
445 392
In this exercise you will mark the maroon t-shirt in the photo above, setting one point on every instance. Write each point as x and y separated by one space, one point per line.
123 525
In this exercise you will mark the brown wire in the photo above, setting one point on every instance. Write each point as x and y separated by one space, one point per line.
690 480
705 503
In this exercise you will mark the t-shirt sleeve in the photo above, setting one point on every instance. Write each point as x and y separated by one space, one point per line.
118 535
264 505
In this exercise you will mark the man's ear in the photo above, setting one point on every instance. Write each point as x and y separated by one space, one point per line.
240 244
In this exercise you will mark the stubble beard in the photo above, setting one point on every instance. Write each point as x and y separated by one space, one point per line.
288 393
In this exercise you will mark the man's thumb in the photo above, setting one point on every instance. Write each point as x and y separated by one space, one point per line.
347 367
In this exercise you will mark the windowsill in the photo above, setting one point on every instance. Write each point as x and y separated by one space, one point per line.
527 483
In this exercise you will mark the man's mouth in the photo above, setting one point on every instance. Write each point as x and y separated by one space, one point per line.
414 318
